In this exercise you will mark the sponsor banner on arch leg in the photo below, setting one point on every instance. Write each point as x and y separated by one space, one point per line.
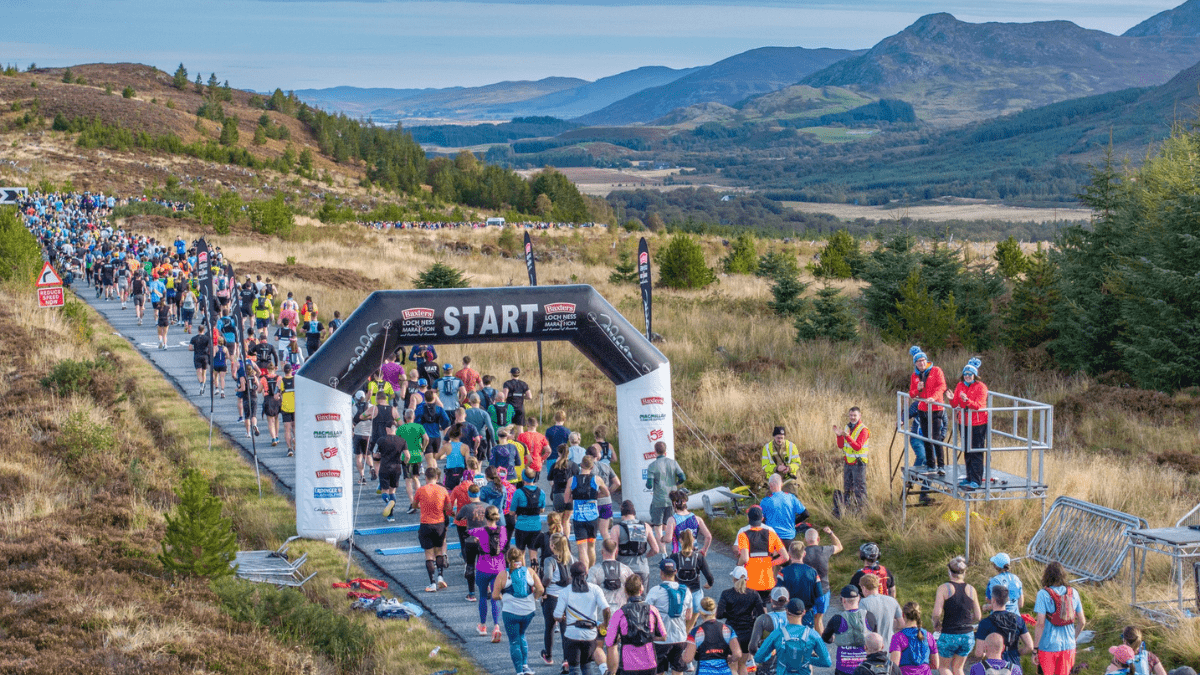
324 457
644 417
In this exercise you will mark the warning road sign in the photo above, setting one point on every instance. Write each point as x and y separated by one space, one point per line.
48 277
50 297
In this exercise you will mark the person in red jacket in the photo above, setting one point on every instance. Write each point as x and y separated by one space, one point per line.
972 394
929 382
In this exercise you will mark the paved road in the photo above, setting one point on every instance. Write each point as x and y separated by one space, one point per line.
447 609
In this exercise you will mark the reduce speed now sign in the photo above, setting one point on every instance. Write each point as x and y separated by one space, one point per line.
50 297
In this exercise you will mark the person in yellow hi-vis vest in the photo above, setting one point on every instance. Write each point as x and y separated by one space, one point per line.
853 440
781 456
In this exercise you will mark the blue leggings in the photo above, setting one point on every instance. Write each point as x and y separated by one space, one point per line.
484 582
518 646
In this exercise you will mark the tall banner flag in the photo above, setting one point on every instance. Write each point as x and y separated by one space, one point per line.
531 267
644 281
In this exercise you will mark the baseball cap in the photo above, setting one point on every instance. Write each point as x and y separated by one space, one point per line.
1122 654
795 607
754 514
422 382
779 594
515 370
849 591
739 572
1001 560
447 366
666 565
360 396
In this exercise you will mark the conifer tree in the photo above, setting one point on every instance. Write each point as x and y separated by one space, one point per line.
180 79
1010 260
1034 298
921 319
743 256
441 275
198 541
828 318
840 259
626 271
786 291
681 264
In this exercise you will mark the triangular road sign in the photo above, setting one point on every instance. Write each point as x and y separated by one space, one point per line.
48 277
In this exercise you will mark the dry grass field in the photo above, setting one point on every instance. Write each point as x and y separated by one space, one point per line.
737 372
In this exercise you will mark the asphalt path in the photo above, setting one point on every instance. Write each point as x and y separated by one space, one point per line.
446 610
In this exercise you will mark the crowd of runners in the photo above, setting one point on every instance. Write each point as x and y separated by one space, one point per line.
620 592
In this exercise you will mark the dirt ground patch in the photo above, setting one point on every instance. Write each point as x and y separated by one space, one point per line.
943 212
325 276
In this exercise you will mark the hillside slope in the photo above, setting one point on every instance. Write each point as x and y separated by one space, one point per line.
954 72
1181 21
728 81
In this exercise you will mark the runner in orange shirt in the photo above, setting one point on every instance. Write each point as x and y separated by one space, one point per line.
469 377
759 551
537 448
434 503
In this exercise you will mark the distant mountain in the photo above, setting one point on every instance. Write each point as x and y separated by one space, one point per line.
1182 21
954 72
729 81
561 97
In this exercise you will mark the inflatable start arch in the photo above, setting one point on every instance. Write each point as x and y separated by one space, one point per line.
326 382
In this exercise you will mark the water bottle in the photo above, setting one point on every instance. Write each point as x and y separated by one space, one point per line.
435 651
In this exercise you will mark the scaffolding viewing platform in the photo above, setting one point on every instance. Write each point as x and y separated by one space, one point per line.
940 437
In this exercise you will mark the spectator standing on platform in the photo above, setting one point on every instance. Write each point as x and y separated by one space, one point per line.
780 455
972 394
955 613
854 441
1060 620
929 382
781 510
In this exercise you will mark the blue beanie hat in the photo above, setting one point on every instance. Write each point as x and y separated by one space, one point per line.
917 354
972 367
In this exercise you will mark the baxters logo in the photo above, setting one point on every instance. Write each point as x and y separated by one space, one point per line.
528 246
652 400
329 453
417 313
325 511
329 417
560 308
329 473
656 435
643 258
202 259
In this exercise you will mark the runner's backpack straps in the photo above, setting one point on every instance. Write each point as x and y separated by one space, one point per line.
989 669
518 583
675 600
917 652
881 573
532 496
637 624
856 630
689 567
429 414
794 651
1064 607
635 544
612 575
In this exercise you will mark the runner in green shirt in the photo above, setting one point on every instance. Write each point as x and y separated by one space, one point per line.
414 435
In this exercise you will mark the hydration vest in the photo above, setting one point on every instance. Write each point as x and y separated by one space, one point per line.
635 544
713 647
759 541
532 495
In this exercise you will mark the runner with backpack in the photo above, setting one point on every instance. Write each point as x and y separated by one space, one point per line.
713 646
635 539
517 588
1009 625
794 647
869 554
774 616
583 608
528 503
877 661
610 574
635 625
690 564
1060 620
674 603
740 606
993 663
492 541
583 493
848 630
433 417
1132 657
955 613
556 577
913 648
683 520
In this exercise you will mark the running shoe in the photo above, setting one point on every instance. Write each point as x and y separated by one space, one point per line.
566 668
431 588
546 658
471 597
222 393
291 453
374 475
526 670
481 629
274 442
362 480
441 583
139 322
496 635
412 508
256 431
388 508
391 520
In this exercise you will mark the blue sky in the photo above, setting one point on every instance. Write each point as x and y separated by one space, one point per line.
261 44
